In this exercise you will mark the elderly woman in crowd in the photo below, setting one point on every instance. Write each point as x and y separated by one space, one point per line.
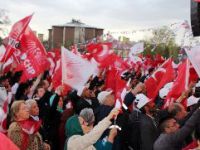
82 136
33 109
34 115
24 131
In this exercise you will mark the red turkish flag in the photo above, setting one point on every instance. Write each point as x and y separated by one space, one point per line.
117 63
193 75
51 59
57 75
110 79
119 86
181 82
14 36
100 51
163 75
34 56
159 59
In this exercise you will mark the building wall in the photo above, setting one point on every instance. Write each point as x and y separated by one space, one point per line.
50 39
98 32
79 35
69 35
89 33
57 36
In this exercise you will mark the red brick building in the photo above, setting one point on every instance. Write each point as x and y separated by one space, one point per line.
70 33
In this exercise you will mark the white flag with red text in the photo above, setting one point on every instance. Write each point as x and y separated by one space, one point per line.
194 57
75 70
33 56
14 37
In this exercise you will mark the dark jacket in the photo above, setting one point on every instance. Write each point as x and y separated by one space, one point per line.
54 122
149 132
43 104
174 141
65 115
101 112
134 135
82 103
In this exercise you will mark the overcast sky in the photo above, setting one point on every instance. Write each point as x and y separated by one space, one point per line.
107 14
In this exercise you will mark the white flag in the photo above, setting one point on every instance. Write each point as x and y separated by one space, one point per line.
194 57
136 49
75 70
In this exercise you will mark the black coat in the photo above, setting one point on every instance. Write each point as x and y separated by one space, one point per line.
101 112
149 132
82 103
54 120
133 128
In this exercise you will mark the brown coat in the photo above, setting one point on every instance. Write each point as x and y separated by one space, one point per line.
23 140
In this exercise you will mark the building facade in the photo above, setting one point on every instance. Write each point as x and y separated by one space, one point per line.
70 33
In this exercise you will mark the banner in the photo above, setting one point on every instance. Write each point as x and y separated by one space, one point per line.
15 34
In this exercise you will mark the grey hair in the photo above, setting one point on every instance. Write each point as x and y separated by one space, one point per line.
15 109
88 115
29 103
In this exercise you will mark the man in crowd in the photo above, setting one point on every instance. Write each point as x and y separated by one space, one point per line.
172 137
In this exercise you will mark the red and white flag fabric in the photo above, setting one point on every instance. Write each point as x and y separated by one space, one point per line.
30 126
34 56
100 51
75 70
110 79
181 82
117 63
163 75
121 89
136 49
2 51
57 75
15 35
193 75
6 143
8 65
194 55
4 109
52 62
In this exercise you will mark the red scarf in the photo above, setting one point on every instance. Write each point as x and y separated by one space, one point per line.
30 126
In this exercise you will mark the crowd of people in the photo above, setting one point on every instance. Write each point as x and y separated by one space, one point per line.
37 117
